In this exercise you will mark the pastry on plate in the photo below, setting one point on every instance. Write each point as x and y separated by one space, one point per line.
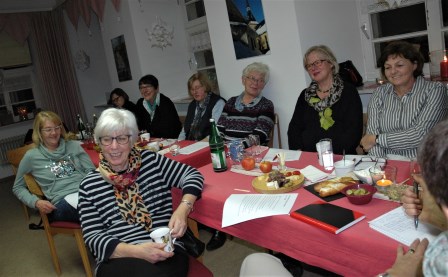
333 186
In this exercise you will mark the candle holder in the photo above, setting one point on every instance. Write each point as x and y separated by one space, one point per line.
383 177
23 113
438 68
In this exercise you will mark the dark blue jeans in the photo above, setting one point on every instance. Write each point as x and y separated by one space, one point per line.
64 212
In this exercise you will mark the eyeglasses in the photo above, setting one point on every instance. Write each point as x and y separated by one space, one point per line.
314 64
115 99
143 87
106 141
371 161
254 81
51 129
196 88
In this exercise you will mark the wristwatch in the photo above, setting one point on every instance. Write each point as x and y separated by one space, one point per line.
385 274
376 139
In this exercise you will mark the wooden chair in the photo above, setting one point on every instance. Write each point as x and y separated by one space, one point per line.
54 228
14 157
60 227
271 135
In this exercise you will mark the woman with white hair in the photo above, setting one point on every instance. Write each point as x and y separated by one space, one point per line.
249 113
129 196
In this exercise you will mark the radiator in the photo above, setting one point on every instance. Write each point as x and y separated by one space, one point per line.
9 144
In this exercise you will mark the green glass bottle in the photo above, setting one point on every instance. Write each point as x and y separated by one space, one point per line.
217 148
81 127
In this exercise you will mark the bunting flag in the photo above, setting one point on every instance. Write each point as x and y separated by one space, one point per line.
98 8
116 4
17 26
84 6
72 10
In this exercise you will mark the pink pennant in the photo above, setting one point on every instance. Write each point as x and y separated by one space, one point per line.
98 8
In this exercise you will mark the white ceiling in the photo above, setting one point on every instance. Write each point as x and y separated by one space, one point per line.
16 6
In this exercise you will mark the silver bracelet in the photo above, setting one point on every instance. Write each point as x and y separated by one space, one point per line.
189 204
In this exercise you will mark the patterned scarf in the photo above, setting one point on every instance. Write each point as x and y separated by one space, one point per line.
195 131
126 190
323 106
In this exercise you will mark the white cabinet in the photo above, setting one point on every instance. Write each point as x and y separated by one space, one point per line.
201 57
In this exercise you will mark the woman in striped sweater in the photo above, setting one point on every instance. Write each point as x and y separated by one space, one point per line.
127 197
402 111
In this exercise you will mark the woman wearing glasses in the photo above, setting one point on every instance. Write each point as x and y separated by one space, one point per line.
249 113
58 165
327 108
402 111
205 105
120 99
128 197
156 113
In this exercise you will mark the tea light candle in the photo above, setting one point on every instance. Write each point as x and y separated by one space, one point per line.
444 68
384 182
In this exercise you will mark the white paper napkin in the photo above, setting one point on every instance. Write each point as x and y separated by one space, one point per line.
313 174
193 147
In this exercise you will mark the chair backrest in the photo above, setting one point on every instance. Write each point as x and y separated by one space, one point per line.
271 135
15 155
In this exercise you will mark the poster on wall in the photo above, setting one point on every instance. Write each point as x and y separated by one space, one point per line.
248 27
121 59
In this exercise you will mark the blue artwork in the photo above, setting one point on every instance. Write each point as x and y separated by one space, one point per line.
248 27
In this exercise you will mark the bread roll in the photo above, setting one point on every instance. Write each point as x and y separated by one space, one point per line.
333 186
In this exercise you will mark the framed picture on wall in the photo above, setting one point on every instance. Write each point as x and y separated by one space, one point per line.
121 59
248 27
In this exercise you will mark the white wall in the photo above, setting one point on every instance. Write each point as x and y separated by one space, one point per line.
169 65
94 82
333 23
293 26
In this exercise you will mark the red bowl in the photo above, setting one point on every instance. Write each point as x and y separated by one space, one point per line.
360 199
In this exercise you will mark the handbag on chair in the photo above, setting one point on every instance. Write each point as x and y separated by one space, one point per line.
194 246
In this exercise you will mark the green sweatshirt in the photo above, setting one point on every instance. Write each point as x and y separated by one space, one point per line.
58 173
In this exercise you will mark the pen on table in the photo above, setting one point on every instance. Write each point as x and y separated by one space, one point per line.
416 192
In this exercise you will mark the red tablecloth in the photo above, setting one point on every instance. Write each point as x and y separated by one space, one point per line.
357 251
196 159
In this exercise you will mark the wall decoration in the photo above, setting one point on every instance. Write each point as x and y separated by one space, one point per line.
161 34
248 27
121 59
82 60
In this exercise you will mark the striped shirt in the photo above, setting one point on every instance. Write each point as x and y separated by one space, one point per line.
102 223
255 118
402 122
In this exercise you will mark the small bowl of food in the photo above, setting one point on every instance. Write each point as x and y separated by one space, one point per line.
342 168
359 194
363 175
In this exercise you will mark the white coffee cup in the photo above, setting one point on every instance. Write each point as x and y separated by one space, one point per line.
343 167
163 235
145 136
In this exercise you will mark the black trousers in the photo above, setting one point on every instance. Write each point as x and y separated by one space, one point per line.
175 266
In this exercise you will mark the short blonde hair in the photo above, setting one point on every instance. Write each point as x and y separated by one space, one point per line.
326 53
39 121
115 120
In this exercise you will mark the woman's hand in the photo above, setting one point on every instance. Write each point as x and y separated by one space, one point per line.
178 221
409 263
150 251
45 206
411 203
367 142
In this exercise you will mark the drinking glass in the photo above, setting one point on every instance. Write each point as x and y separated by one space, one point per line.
414 167
254 141
325 153
236 151
174 148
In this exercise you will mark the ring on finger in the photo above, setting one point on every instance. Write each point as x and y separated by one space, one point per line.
412 251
